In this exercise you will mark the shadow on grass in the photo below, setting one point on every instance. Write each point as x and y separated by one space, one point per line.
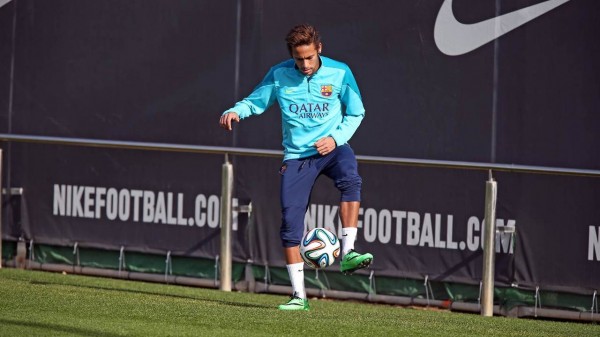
48 328
132 291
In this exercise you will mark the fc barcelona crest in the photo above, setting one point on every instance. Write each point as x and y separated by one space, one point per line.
326 90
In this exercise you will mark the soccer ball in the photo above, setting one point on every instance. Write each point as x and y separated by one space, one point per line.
319 248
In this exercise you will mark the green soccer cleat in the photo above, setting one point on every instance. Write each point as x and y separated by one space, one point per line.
295 303
354 261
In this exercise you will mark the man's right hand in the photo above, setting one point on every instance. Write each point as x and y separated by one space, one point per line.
226 119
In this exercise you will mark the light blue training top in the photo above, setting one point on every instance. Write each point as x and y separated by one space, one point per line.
327 103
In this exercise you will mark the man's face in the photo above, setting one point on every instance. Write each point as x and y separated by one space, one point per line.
307 58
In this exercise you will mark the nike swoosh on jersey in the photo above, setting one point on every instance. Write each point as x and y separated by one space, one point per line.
455 38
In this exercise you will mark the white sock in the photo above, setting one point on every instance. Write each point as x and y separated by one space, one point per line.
296 272
348 238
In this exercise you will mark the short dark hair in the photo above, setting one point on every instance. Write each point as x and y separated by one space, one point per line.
301 35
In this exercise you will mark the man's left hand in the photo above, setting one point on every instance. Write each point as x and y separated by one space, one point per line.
325 145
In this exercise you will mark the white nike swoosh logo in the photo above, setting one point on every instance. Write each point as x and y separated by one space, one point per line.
456 38
4 2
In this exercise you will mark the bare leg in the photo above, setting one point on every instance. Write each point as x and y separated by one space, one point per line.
349 213
292 255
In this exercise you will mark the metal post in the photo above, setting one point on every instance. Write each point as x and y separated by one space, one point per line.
489 248
226 218
1 209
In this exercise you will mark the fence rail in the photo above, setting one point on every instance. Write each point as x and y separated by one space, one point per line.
151 146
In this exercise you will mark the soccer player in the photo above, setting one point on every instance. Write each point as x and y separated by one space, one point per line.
321 108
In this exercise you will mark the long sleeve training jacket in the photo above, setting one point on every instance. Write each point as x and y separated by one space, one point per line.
326 103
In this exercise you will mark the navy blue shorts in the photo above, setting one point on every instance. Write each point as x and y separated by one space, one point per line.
298 177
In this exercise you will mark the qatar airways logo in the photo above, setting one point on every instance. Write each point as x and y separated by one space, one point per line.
310 110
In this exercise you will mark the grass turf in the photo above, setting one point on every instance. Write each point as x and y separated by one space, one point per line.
48 304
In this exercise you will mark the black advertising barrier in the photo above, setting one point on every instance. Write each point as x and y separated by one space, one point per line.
422 222
163 71
417 221
109 198
444 237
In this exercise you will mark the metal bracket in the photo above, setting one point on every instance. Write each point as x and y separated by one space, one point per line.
168 267
505 229
13 191
121 260
76 254
243 208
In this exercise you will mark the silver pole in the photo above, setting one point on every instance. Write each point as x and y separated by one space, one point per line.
226 217
1 213
489 248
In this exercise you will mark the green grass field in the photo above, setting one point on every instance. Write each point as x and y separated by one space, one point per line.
48 304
